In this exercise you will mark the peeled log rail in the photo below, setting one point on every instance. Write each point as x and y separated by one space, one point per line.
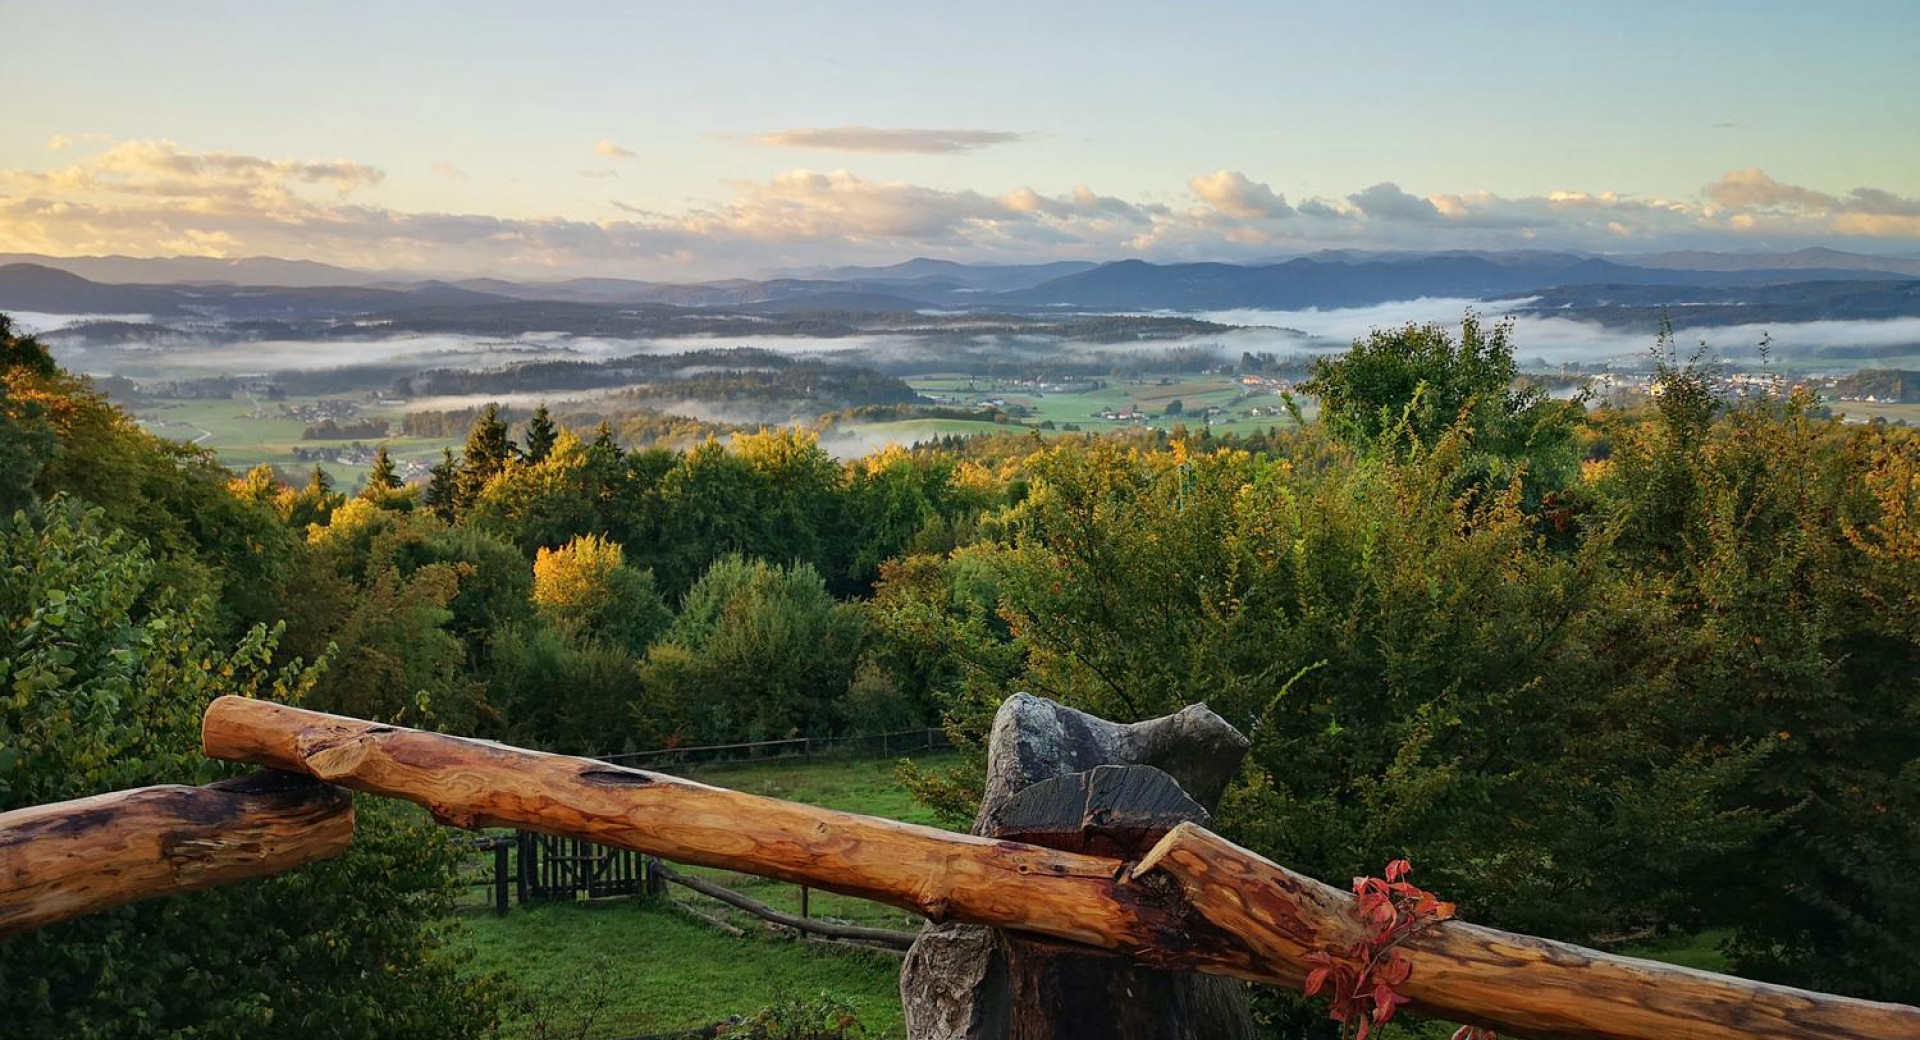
71 858
1195 901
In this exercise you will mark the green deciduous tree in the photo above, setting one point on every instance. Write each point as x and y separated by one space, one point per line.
759 651
107 674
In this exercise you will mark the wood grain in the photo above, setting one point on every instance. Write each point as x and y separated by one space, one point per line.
1195 901
70 858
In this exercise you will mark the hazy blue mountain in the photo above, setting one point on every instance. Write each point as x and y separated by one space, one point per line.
1307 282
982 277
1642 305
175 270
32 287
1799 260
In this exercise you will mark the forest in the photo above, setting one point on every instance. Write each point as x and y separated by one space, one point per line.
1604 673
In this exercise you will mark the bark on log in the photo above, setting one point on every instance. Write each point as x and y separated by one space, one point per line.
1195 902
1042 759
70 858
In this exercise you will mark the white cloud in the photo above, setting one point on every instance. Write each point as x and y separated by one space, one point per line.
918 140
606 149
155 197
58 142
449 171
1230 192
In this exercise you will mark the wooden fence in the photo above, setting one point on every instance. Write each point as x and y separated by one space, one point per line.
528 868
1192 902
898 742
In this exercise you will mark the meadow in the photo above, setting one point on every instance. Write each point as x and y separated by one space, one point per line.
632 966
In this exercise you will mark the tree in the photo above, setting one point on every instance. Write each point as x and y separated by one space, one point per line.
443 484
1175 407
108 673
311 504
542 504
759 651
1405 388
603 439
585 588
540 434
488 451
383 476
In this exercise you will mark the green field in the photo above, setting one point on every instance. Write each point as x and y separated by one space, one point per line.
1861 411
243 441
1148 394
633 966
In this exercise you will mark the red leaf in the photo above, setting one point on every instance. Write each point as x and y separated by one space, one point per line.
1398 869
1395 971
1316 979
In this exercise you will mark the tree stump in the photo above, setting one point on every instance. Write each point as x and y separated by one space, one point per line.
1068 780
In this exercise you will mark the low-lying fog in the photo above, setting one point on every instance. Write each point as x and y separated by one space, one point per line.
1538 340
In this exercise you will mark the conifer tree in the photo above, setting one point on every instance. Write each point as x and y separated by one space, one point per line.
487 452
384 476
541 434
603 438
443 482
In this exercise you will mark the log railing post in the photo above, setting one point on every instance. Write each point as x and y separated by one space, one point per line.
962 982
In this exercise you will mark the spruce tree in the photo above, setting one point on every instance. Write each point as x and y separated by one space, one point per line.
384 476
541 434
443 482
488 449
603 439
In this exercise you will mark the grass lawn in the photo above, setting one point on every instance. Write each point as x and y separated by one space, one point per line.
639 967
635 968
1700 951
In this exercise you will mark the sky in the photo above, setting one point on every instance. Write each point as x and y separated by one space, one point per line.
686 141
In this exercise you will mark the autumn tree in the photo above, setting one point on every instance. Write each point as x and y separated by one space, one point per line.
586 588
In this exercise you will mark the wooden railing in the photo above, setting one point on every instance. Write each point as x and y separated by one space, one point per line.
1193 901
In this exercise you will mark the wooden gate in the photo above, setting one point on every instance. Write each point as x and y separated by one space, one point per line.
553 868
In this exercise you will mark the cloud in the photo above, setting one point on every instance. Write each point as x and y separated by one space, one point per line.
606 149
58 142
156 197
1230 192
1751 200
449 171
1385 201
922 141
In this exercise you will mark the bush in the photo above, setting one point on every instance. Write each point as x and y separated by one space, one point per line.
108 674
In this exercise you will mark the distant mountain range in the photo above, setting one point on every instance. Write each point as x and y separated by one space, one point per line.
192 289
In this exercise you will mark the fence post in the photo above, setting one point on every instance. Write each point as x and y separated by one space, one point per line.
525 849
500 876
886 745
804 909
